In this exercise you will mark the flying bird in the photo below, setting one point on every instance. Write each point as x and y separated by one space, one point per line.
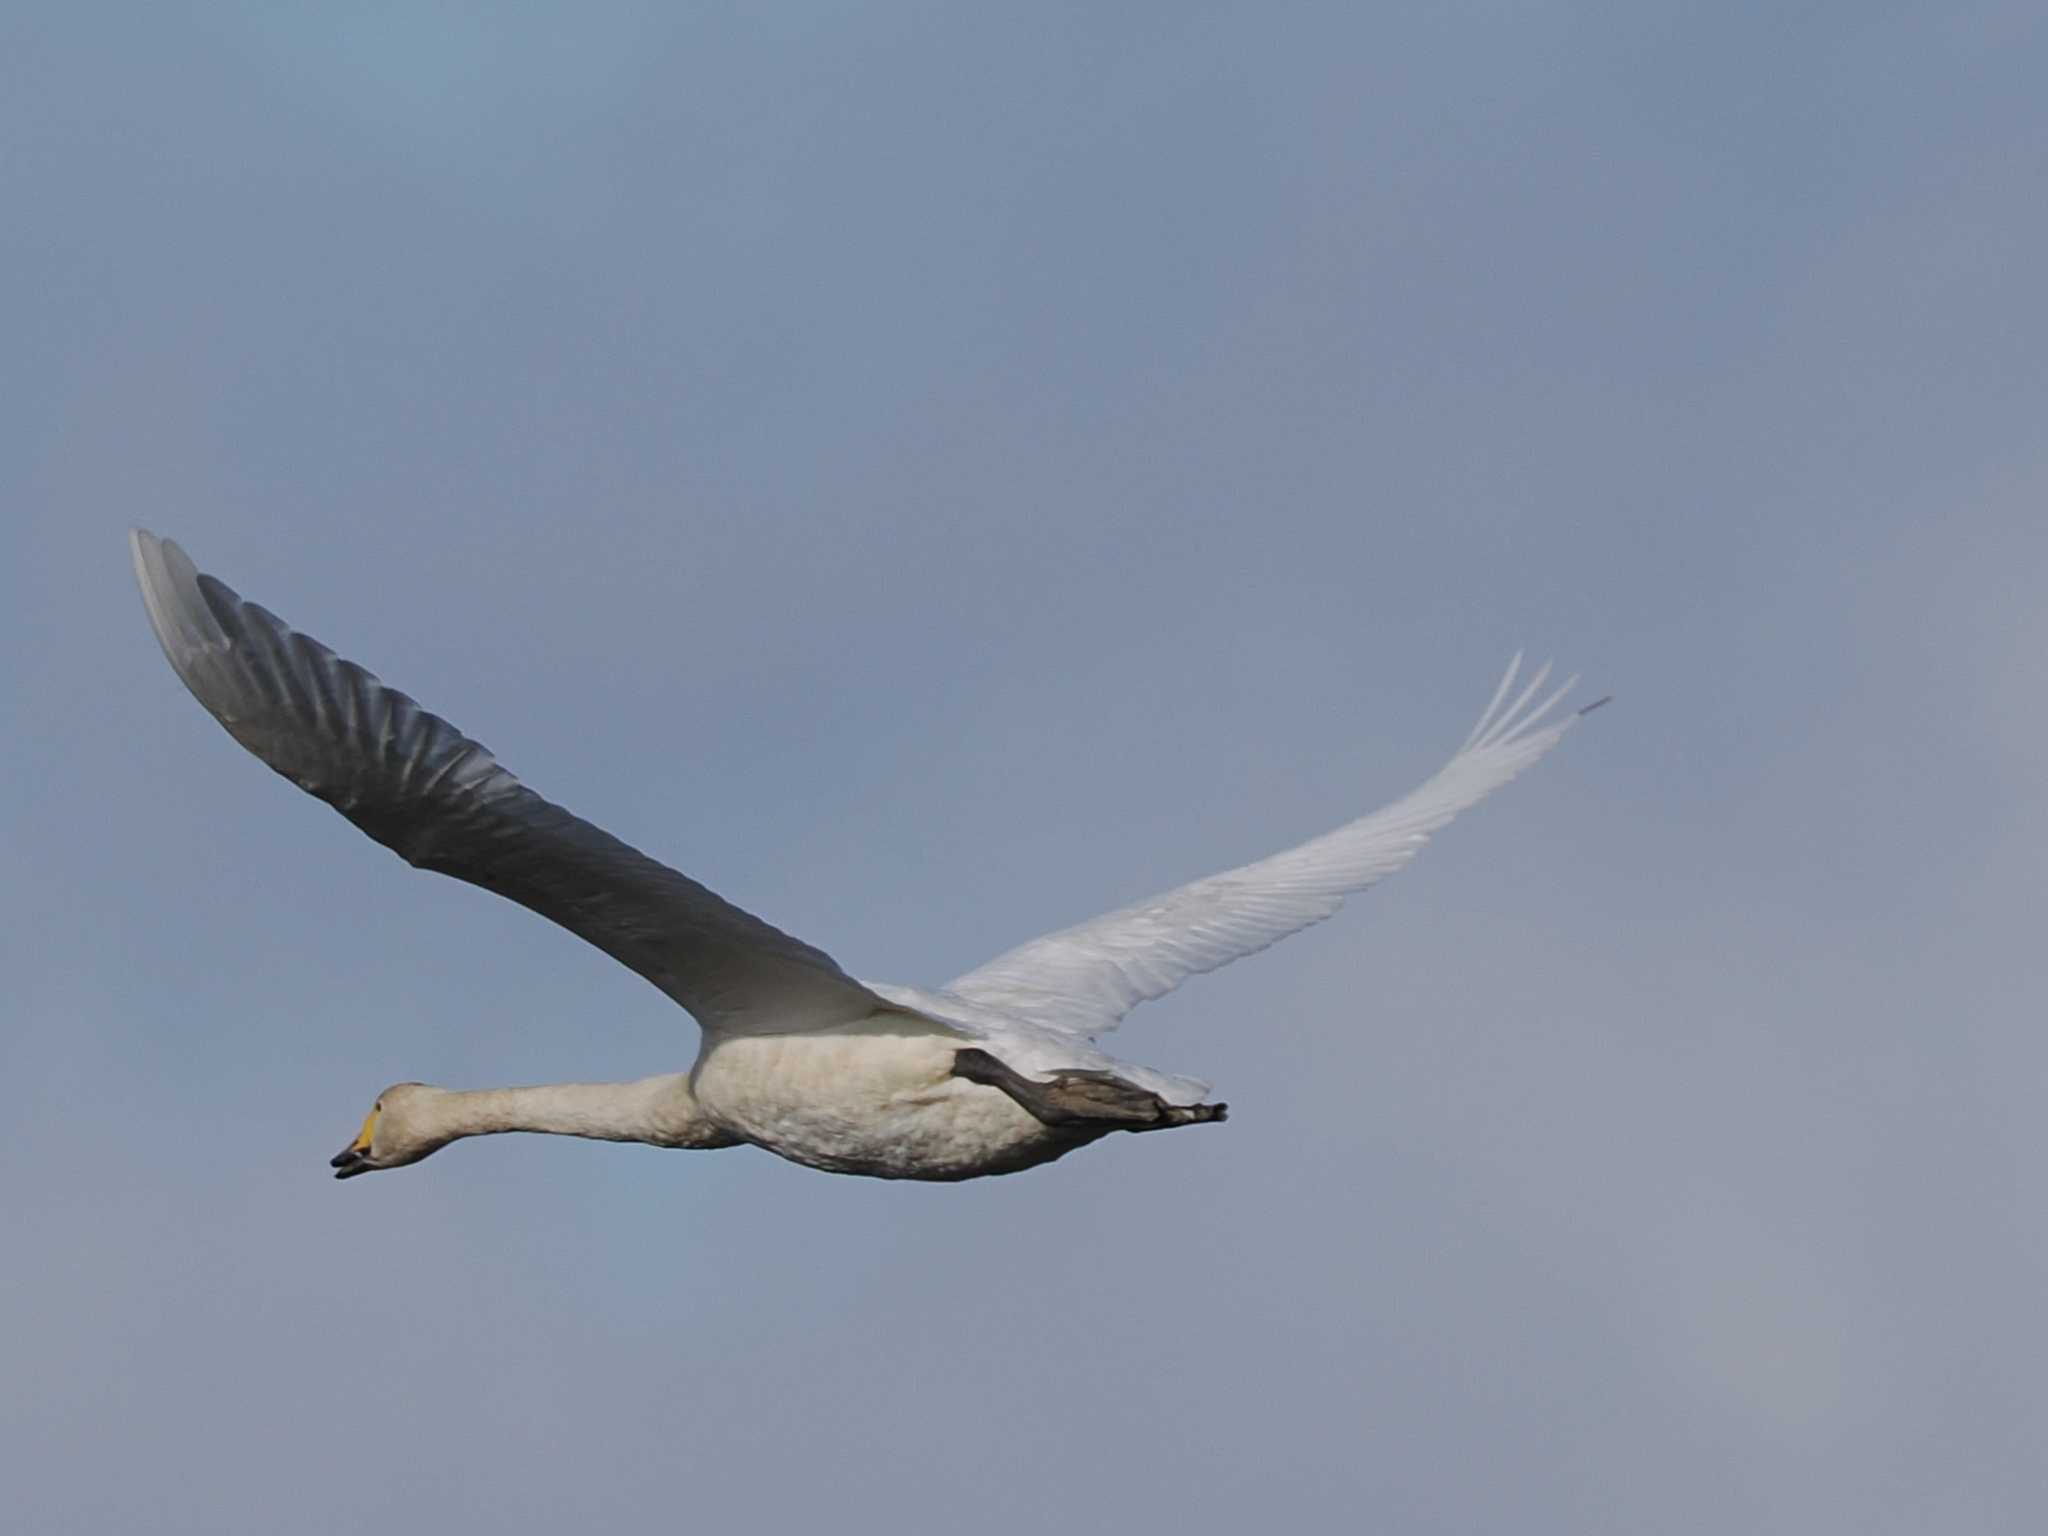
994 1072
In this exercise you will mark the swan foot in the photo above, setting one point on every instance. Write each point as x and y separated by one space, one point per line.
1084 1101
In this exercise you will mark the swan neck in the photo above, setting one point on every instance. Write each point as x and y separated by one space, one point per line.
658 1110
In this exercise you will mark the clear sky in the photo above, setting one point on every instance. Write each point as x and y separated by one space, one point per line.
934 472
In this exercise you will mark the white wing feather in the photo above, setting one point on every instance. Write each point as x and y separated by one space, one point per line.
1082 980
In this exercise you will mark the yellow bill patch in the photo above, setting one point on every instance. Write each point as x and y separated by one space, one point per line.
366 1134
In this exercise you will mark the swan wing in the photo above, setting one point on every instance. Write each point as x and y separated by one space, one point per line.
1084 979
442 802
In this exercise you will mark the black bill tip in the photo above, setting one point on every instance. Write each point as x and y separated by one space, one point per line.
349 1162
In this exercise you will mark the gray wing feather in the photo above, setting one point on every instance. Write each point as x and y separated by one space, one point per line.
442 802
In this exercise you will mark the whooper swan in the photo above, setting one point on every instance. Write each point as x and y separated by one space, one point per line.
994 1072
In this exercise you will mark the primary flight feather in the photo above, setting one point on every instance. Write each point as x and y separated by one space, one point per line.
994 1072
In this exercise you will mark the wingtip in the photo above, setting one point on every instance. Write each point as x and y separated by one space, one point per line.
170 592
145 552
140 542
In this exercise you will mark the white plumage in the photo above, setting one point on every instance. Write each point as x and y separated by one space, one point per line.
993 1072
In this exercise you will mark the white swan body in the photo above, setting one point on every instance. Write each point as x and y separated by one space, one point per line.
996 1072
873 1099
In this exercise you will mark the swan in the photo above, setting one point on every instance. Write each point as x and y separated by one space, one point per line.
994 1072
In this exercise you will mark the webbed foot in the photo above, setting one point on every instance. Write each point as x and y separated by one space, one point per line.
1084 1100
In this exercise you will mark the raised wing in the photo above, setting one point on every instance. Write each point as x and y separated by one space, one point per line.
1083 980
441 802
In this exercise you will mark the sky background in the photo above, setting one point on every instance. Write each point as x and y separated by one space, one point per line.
935 472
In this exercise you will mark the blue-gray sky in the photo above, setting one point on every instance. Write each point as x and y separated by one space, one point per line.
934 472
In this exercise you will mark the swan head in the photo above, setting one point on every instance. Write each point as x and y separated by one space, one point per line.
400 1128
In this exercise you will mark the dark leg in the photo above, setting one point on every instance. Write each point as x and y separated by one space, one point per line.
1084 1101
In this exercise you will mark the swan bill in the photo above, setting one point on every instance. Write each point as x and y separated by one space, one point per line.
348 1163
355 1157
